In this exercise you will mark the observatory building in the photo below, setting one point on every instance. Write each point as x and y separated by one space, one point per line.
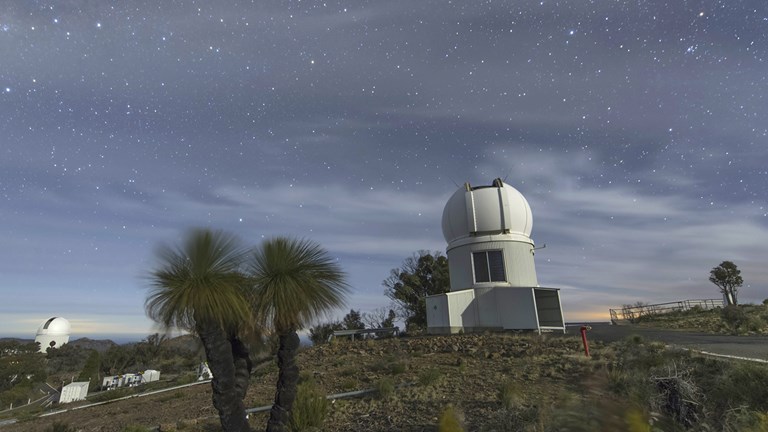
54 332
490 260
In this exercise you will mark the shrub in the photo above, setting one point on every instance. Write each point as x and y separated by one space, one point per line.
385 388
135 428
428 377
397 368
310 407
187 378
61 427
733 315
510 395
450 420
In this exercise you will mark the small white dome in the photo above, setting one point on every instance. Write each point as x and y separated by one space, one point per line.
495 209
54 326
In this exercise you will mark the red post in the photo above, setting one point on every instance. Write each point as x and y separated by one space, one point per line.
584 339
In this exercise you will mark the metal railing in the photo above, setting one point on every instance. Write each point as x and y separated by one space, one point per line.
362 333
632 313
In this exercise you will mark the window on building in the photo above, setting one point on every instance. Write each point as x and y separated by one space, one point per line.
489 266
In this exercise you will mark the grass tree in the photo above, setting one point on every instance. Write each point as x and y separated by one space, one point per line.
295 282
199 287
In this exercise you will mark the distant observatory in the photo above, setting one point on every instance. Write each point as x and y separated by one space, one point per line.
54 332
490 260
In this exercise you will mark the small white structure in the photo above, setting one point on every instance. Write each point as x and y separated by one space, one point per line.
74 391
53 333
204 372
150 375
117 381
130 379
490 260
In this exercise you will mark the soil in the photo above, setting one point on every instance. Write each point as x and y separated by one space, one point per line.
429 374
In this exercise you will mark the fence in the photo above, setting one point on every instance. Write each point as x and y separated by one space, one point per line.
631 313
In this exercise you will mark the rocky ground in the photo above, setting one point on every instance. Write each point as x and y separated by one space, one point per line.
546 381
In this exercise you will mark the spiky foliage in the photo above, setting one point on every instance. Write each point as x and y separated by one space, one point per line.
199 287
295 282
199 281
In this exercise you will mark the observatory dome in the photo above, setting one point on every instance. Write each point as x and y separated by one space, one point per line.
54 332
486 210
55 326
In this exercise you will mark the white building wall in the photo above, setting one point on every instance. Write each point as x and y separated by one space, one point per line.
438 311
487 307
463 313
519 308
74 391
150 375
519 266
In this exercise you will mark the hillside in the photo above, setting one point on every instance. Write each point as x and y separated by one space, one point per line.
434 371
736 320
495 382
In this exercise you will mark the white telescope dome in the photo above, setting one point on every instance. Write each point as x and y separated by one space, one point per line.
54 326
486 210
53 333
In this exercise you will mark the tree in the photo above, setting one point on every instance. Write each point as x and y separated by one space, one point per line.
199 287
295 282
353 320
322 332
728 279
380 318
90 370
420 275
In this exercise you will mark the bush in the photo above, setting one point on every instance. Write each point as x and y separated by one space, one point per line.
450 420
385 388
733 315
61 427
429 376
113 394
310 407
510 395
135 428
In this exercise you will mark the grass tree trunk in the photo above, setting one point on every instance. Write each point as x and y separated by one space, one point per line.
287 382
243 366
227 397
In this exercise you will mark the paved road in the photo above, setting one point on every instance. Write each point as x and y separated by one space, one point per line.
742 346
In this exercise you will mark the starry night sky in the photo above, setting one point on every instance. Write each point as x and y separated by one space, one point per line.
637 130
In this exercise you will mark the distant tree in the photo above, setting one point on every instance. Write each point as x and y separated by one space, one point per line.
379 318
200 287
20 364
90 371
66 358
322 332
389 321
295 282
353 320
420 275
118 359
727 277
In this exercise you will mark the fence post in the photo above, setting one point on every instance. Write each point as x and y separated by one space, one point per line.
584 339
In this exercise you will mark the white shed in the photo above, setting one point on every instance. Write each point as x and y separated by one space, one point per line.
150 375
74 391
